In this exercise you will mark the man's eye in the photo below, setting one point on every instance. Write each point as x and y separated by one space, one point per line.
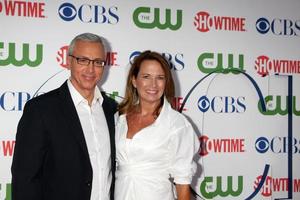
84 60
98 62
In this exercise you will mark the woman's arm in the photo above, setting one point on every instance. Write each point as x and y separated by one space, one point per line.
183 192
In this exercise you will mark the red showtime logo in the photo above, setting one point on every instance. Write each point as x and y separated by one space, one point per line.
111 59
177 103
265 66
225 145
276 185
204 22
8 147
62 54
23 8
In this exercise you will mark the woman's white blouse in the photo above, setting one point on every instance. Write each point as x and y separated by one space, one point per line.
157 155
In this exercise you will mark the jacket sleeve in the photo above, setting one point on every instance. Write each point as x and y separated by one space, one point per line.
29 153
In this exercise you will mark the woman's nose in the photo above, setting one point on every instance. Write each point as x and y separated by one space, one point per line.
154 82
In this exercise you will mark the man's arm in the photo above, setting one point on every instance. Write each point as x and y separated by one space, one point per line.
29 152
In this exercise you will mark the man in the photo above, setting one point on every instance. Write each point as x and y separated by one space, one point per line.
65 147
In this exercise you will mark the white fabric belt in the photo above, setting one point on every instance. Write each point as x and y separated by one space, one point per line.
142 170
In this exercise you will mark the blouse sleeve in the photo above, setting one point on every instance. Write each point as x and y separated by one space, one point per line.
184 145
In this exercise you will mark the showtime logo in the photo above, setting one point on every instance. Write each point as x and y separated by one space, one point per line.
177 103
204 22
265 66
225 145
23 8
8 147
276 185
62 54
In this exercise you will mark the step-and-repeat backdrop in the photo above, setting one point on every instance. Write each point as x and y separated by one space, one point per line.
236 65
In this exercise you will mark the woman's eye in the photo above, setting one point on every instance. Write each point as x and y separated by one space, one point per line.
145 76
161 78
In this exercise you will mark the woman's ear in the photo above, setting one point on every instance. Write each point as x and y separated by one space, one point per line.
133 81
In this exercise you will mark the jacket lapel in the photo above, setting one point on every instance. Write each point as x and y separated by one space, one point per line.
109 108
71 116
109 115
109 112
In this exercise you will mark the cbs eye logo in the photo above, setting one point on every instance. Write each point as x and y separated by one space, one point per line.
262 145
203 104
262 25
89 13
67 11
222 104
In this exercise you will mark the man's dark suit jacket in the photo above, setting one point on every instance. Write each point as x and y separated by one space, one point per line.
51 160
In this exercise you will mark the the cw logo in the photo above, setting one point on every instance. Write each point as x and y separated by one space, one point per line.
141 18
7 191
209 62
25 59
276 107
219 191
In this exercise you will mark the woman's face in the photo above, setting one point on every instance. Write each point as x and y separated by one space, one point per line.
150 82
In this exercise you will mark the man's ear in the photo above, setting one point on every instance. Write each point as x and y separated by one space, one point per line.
69 60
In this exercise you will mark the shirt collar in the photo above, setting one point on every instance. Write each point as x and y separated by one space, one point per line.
78 98
161 117
163 113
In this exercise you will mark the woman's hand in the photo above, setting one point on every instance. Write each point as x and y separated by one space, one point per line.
183 192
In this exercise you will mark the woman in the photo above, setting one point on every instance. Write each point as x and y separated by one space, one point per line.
155 144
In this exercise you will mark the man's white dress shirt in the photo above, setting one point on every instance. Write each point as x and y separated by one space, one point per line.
96 134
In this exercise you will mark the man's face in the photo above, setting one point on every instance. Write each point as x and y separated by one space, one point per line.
85 77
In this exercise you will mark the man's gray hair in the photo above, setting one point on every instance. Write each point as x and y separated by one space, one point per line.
89 37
